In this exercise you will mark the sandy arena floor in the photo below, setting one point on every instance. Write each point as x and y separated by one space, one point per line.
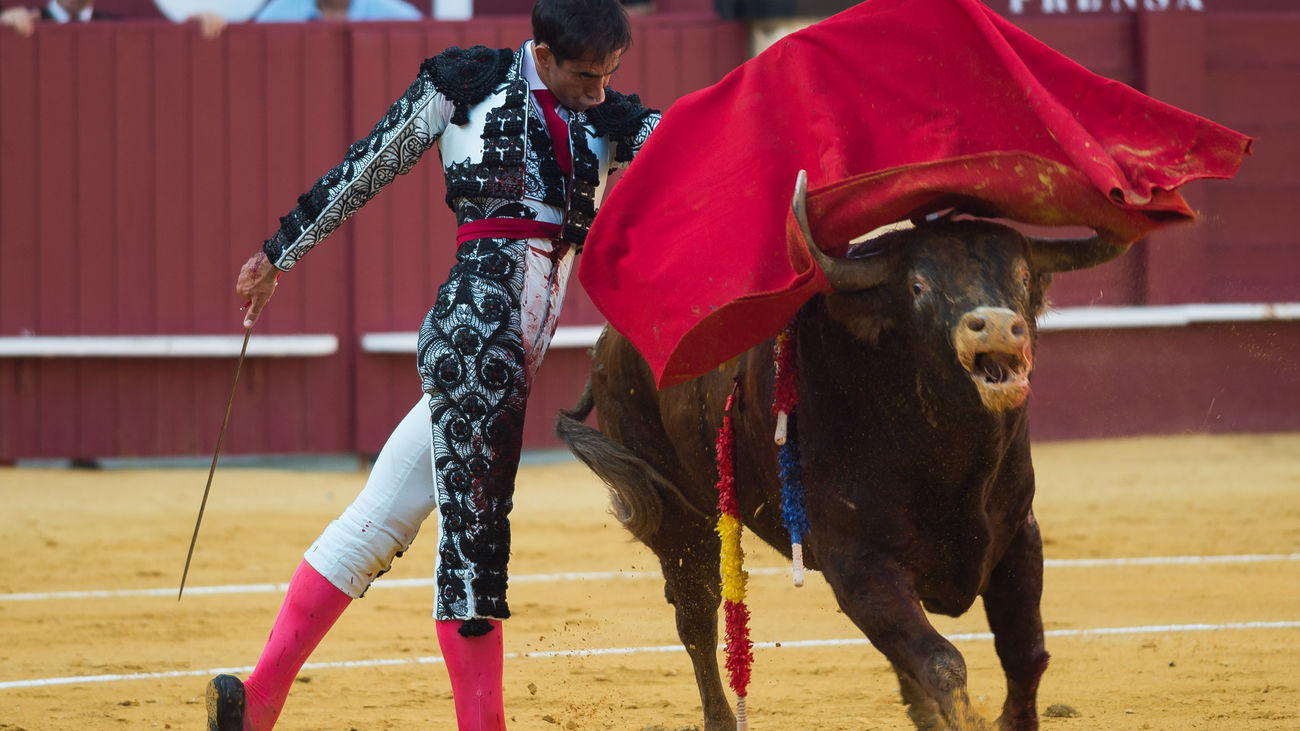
94 638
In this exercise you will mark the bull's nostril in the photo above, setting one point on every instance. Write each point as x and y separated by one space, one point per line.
975 323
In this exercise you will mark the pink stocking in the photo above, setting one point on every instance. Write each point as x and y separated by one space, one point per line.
475 665
311 606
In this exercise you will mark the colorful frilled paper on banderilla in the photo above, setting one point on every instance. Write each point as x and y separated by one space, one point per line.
893 107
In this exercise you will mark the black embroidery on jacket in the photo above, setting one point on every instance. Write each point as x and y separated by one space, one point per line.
620 119
467 75
501 173
586 178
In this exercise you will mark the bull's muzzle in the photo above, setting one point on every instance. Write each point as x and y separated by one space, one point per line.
994 347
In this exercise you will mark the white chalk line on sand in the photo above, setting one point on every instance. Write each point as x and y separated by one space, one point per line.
608 651
1051 563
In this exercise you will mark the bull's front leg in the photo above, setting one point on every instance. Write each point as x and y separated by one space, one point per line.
879 596
1011 603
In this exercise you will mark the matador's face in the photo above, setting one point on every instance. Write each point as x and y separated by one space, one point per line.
578 84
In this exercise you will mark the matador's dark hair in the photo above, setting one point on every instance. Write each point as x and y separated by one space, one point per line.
579 30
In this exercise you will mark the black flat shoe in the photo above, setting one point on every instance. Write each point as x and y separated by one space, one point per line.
225 704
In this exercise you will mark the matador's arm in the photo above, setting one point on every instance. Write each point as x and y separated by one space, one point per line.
411 126
446 86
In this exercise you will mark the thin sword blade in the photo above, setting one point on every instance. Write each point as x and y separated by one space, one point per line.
212 470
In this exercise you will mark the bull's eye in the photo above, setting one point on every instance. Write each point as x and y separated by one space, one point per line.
1024 278
918 287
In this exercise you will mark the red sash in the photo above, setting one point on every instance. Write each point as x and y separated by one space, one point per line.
507 228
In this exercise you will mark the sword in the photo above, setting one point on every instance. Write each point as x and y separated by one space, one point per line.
248 331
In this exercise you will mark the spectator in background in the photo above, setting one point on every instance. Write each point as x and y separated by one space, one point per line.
291 11
23 19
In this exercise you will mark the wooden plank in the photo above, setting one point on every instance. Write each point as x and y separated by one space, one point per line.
565 374
135 181
509 32
1244 99
215 255
694 43
661 86
1258 272
173 173
1247 42
181 428
97 214
1173 59
1115 283
634 69
1250 215
57 294
19 185
387 388
1218 378
730 50
57 395
20 414
99 415
1105 45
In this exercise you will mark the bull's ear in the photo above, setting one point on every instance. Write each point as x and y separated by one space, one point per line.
1067 255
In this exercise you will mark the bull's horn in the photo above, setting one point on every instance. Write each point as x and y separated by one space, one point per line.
1067 255
844 275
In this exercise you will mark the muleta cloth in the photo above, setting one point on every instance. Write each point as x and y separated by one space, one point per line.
895 108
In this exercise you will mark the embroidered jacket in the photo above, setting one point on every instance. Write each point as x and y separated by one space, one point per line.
473 103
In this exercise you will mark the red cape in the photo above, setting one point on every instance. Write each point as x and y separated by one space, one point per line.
893 107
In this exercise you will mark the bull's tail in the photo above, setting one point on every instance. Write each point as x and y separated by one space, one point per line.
635 488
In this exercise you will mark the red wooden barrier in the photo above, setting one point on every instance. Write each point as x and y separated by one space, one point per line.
142 164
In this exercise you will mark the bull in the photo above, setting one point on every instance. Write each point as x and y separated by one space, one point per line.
913 375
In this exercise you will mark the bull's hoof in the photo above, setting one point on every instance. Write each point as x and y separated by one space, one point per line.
1019 722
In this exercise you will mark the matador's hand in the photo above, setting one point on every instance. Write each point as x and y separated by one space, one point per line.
255 285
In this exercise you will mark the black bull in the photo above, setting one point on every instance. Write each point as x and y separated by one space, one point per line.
914 445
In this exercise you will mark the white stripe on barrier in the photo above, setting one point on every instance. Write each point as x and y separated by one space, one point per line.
1065 318
165 346
1052 563
1096 318
569 336
607 651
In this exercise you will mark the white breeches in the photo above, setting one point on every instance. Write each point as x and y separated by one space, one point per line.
400 492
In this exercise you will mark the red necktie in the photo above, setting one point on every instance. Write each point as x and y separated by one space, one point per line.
558 128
